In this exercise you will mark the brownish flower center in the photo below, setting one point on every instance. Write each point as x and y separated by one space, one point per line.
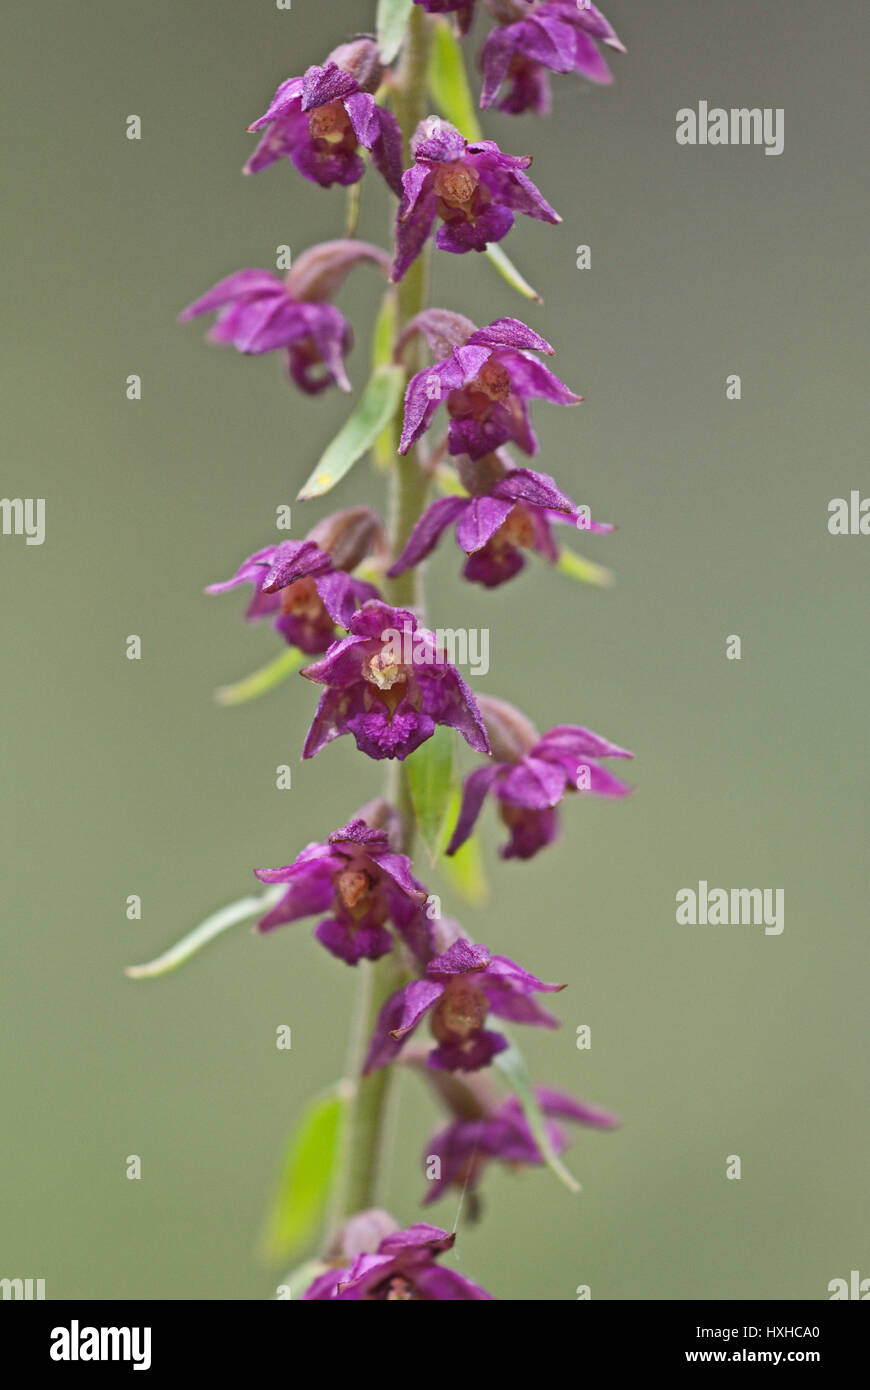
399 1290
459 1013
329 123
353 885
455 184
518 528
301 600
493 380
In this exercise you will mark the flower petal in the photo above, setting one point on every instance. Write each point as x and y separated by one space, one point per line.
473 795
480 521
427 532
510 333
399 1016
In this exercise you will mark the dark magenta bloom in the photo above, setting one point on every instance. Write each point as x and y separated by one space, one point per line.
402 1268
500 1132
555 36
463 9
319 121
529 775
389 684
305 586
257 312
356 878
485 383
459 989
510 510
473 188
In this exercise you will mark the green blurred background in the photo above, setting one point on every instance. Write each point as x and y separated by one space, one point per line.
125 777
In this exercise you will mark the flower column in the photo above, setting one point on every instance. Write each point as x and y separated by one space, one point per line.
349 595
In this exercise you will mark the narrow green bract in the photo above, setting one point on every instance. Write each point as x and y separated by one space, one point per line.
512 1064
372 413
391 21
306 1178
430 772
448 83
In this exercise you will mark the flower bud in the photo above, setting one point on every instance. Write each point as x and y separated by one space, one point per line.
349 536
442 329
361 58
445 932
378 814
361 1234
508 11
479 476
511 734
320 271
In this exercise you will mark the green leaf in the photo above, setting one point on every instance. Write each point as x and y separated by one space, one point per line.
465 868
213 926
448 82
430 771
505 267
262 680
391 22
512 1063
583 570
306 1177
372 413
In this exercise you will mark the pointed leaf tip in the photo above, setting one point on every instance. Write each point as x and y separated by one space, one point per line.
584 571
391 22
370 416
259 682
513 1065
213 926
506 268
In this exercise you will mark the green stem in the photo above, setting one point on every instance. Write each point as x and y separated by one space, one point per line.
410 481
366 1127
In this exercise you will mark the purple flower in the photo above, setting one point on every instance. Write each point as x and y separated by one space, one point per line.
486 381
559 35
459 988
401 1269
305 585
473 188
356 878
529 775
319 121
500 1131
463 9
257 312
389 684
510 510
